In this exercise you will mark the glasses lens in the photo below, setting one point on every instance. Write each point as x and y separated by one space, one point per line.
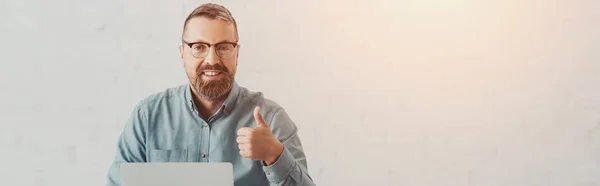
200 50
225 49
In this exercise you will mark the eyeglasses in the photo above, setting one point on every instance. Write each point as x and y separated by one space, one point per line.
201 49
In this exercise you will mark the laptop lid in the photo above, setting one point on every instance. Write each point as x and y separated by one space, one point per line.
177 174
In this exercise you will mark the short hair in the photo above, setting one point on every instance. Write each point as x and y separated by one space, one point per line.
212 11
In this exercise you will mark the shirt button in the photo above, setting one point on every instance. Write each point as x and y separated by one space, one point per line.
268 173
205 125
203 155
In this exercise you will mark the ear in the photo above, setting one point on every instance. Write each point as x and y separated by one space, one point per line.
181 51
237 56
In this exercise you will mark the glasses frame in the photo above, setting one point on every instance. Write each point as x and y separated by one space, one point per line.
210 46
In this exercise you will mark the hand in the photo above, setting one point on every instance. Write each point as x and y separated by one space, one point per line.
259 143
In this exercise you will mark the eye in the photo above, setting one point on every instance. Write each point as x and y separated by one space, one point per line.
199 47
225 47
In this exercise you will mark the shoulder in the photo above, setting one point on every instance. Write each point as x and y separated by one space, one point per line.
167 96
251 99
272 112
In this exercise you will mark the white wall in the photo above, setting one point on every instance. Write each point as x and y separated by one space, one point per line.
413 92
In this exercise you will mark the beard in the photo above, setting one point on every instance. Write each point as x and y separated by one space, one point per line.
212 89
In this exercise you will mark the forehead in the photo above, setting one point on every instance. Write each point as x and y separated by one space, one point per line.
209 30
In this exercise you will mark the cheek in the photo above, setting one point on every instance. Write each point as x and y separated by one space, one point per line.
191 65
231 66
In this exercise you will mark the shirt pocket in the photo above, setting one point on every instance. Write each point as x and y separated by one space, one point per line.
160 155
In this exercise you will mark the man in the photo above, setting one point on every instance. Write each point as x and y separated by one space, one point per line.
213 119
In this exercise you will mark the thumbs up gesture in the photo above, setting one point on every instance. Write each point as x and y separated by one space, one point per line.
259 143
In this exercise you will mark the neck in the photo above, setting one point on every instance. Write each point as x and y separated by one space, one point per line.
208 107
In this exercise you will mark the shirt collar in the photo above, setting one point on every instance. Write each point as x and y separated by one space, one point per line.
228 104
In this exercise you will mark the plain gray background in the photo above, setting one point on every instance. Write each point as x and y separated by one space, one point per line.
385 92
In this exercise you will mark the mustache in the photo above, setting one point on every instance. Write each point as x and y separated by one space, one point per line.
217 66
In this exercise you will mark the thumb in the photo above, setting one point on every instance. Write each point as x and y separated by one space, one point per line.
260 121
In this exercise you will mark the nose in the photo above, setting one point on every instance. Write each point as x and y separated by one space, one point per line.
211 58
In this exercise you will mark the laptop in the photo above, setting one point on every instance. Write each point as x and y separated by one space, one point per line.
177 174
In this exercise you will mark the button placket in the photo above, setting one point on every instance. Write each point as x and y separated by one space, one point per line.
205 141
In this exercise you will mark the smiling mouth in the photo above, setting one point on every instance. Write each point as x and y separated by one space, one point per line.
211 73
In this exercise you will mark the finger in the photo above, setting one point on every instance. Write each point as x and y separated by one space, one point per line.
242 139
260 121
244 131
243 147
245 154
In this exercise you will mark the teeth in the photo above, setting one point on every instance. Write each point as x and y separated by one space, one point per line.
210 73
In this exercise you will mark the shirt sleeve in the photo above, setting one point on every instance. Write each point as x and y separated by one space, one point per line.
131 146
291 167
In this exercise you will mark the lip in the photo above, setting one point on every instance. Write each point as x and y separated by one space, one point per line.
215 77
216 71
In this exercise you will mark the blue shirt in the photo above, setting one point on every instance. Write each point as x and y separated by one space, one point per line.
167 127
